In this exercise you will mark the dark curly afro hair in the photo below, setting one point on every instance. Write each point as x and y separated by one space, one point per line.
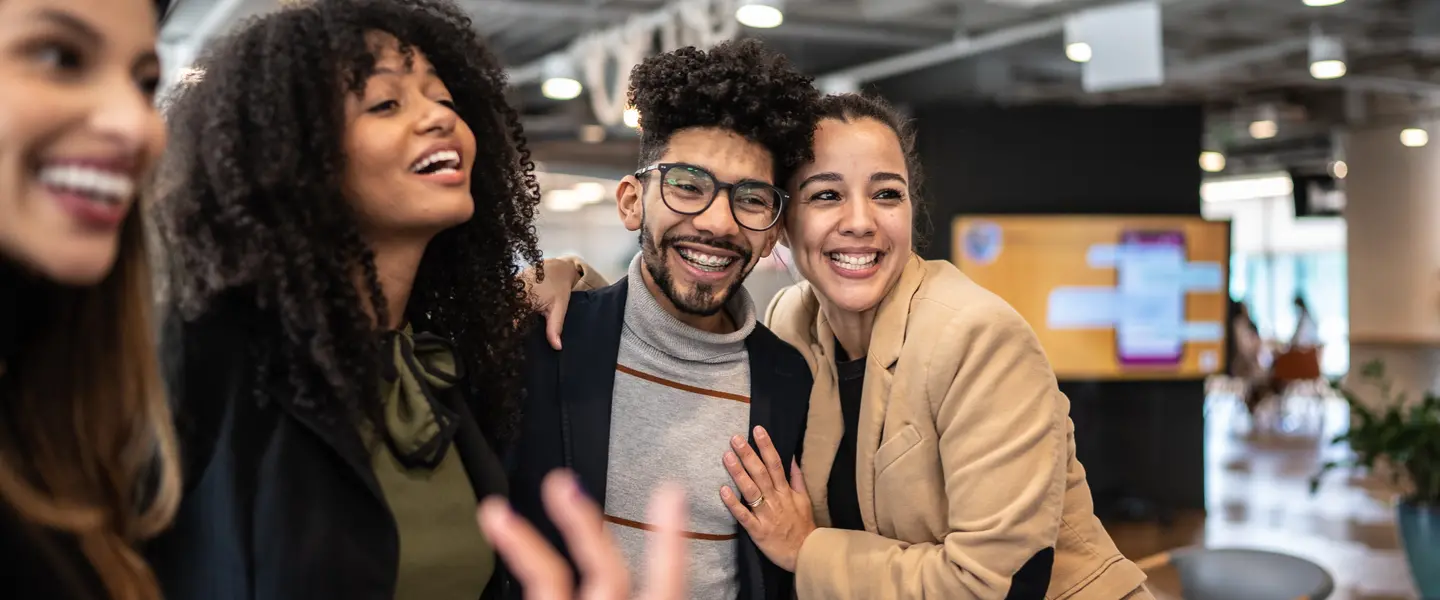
737 85
250 202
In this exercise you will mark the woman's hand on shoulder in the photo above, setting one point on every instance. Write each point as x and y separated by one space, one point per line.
603 575
551 297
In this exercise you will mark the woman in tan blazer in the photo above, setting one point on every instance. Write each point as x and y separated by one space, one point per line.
939 459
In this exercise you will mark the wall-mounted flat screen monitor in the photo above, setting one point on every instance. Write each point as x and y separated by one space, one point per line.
1109 297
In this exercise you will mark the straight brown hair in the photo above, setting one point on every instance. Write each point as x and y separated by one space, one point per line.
88 446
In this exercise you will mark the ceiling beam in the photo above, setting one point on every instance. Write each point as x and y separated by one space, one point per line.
950 51
971 46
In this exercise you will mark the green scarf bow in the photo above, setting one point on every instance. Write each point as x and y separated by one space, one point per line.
416 370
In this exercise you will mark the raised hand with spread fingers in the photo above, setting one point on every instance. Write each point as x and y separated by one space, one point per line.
603 576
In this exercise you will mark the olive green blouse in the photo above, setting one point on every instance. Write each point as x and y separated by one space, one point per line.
443 555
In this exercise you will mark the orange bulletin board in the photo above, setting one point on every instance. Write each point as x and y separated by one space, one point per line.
1109 297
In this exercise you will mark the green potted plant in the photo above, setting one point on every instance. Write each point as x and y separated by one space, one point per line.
1402 440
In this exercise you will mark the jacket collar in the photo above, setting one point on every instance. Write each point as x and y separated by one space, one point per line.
888 334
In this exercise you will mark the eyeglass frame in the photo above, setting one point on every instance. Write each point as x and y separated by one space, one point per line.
728 187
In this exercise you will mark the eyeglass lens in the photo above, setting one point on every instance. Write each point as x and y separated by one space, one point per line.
689 191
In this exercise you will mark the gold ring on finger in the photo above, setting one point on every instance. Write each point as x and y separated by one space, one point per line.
756 504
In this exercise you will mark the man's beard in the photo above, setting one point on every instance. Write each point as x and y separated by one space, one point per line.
703 300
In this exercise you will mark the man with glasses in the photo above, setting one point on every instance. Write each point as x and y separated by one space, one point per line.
662 370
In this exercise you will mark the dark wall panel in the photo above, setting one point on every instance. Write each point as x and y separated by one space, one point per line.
1142 442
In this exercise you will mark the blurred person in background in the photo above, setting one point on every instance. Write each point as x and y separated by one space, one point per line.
671 361
1307 331
1246 349
939 447
346 196
88 464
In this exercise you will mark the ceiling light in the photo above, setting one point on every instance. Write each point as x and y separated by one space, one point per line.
632 118
1264 122
1319 3
1327 69
563 200
1212 161
1339 169
1263 129
560 88
1414 137
590 192
560 82
1278 186
760 14
1079 52
1327 55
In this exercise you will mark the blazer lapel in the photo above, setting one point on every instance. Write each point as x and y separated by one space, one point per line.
826 423
770 388
762 382
887 337
587 382
482 465
343 437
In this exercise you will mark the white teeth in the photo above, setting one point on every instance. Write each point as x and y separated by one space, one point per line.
451 157
102 185
707 262
854 262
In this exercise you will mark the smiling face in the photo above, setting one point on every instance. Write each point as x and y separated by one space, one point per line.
697 262
78 130
408 153
849 225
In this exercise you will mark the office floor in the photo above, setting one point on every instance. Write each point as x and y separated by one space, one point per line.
1258 496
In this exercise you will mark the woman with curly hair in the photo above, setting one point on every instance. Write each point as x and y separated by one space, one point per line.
88 463
346 198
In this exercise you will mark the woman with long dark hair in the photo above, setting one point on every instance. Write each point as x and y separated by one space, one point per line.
345 203
87 453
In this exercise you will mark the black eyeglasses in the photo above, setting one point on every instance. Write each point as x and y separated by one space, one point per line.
690 190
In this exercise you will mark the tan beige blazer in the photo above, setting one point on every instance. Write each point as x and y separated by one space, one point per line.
966 463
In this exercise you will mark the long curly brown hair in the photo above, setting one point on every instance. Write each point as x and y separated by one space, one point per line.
251 202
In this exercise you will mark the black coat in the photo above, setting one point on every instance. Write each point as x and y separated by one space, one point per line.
279 503
567 416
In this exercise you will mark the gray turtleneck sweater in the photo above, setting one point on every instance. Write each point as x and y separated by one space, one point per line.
680 394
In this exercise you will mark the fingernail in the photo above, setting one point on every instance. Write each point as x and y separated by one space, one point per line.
730 458
725 492
737 442
760 433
